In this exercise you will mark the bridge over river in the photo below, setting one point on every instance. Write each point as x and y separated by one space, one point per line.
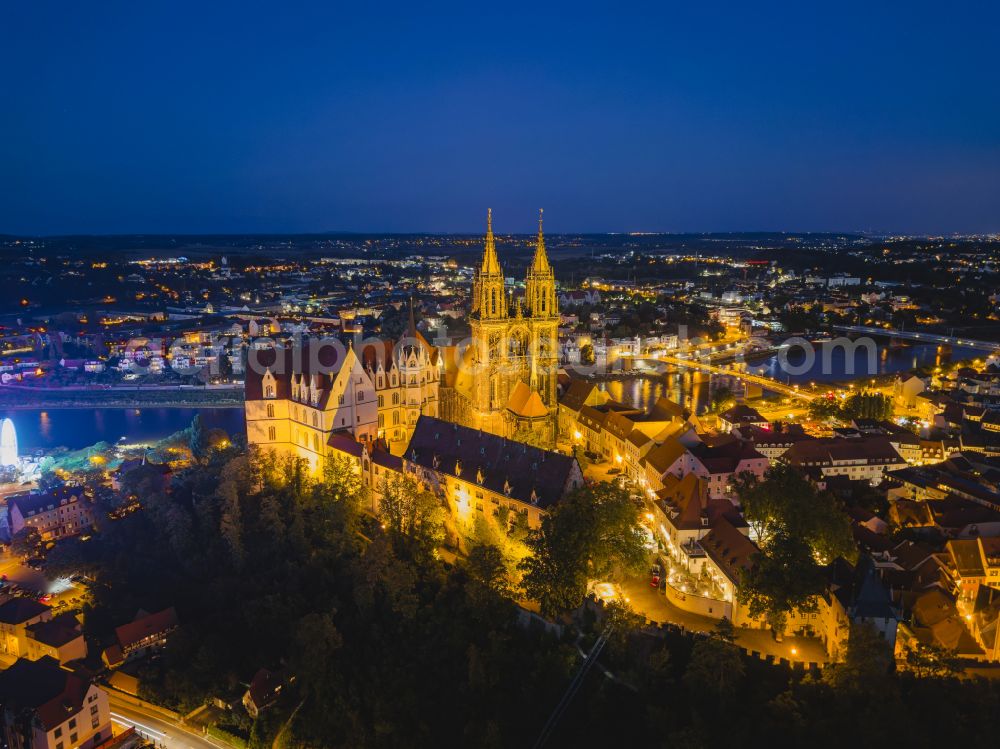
663 362
948 340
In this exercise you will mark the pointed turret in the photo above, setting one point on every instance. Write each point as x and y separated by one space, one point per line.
488 299
491 263
540 263
540 284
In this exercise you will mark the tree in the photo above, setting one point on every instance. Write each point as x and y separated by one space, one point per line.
587 353
785 501
932 660
26 542
488 569
781 580
410 513
716 666
722 398
197 439
867 662
590 535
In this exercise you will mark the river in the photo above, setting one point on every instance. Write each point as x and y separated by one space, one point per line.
79 427
693 389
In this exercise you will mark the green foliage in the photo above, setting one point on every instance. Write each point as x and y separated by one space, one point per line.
932 660
786 501
590 535
587 353
722 399
783 579
863 405
197 438
26 542
798 529
413 518
715 669
866 405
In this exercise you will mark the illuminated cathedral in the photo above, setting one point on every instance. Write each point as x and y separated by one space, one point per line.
506 379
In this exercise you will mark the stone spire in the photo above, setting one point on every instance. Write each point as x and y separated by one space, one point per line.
540 284
540 263
491 263
488 298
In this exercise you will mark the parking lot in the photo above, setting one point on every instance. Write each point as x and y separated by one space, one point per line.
19 579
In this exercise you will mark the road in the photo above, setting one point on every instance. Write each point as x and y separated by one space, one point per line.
157 727
655 607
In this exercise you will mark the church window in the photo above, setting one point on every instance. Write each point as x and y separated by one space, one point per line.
271 434
314 419
269 391
270 410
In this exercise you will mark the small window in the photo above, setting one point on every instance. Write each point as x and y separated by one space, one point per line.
271 434
270 410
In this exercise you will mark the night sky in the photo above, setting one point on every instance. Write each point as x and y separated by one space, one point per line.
143 116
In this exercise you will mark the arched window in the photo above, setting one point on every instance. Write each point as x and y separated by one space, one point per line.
381 420
270 410
395 418
493 301
269 391
316 442
271 434
314 419
381 401
395 399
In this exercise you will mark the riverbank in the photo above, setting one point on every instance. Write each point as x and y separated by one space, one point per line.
19 399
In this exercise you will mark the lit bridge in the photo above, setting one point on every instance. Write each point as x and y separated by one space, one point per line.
661 363
923 337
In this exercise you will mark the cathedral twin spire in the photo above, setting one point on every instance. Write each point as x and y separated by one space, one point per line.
489 297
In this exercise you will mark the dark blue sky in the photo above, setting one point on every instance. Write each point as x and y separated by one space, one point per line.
143 116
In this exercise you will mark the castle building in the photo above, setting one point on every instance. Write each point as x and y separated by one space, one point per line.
303 400
506 378
299 398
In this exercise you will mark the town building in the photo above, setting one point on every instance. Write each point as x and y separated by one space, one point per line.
146 633
60 513
480 474
43 706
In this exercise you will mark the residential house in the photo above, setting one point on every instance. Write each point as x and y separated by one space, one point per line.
60 513
43 706
145 633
